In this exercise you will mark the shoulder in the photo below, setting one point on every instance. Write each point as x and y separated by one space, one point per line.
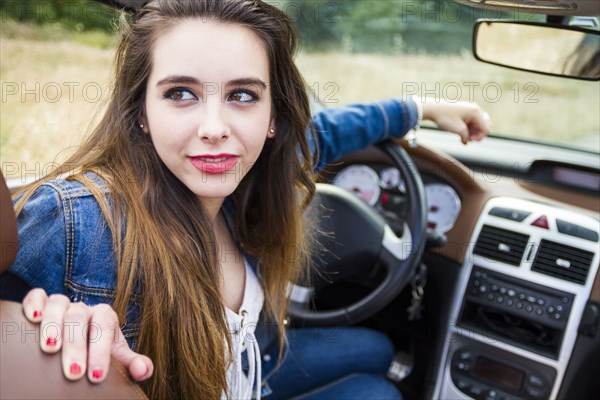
54 192
68 196
71 188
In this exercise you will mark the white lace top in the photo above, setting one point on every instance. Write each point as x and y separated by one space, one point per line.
241 328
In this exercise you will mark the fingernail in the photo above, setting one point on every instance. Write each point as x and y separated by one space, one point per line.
97 373
37 314
51 341
75 369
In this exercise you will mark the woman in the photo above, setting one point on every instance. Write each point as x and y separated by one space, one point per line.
184 212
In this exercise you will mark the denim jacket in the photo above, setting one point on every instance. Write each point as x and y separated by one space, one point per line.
66 247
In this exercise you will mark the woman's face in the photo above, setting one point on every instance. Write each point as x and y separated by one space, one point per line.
208 104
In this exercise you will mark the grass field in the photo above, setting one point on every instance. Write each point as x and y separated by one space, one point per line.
53 86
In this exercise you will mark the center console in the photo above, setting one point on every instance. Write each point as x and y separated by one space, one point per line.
519 300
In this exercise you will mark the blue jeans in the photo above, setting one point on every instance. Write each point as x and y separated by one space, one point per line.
335 363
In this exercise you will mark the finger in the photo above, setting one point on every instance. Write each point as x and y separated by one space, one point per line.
51 329
139 366
34 303
75 340
101 336
479 126
462 130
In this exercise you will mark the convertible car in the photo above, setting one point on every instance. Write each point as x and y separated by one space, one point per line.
479 261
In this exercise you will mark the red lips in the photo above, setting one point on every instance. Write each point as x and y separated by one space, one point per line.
214 163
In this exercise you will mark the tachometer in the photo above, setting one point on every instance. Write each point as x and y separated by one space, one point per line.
361 180
443 206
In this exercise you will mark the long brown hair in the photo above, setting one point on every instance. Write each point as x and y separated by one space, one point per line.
161 234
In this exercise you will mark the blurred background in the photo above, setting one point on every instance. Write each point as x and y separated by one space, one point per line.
56 57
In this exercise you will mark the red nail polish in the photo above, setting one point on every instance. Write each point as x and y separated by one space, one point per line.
97 373
37 314
51 341
75 369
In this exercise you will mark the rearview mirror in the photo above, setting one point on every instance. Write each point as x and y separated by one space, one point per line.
548 49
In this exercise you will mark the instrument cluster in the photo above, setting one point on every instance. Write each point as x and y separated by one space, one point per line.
384 189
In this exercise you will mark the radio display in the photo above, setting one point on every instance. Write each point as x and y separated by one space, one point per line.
501 374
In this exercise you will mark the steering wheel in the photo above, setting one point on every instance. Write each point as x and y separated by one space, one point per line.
361 236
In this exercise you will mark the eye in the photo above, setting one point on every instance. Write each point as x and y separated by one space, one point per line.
243 96
180 94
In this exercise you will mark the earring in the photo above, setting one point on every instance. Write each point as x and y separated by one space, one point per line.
272 131
141 125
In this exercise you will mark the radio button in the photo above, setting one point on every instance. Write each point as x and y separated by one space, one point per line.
476 391
463 367
535 393
462 385
536 380
529 308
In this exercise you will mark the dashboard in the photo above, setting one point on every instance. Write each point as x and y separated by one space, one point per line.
526 244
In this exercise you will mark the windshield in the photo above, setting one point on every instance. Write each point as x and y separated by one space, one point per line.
364 50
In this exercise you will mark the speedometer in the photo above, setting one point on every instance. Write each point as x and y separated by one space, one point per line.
443 206
361 180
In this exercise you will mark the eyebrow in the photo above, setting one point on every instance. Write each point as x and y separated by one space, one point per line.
182 79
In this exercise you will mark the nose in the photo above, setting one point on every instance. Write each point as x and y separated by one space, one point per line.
213 126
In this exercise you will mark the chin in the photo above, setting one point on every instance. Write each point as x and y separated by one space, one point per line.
214 192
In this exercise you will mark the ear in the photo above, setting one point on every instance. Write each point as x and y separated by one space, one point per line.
143 124
271 132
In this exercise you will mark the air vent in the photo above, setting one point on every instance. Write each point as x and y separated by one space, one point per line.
562 261
501 244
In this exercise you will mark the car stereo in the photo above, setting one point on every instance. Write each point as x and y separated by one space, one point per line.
522 313
483 372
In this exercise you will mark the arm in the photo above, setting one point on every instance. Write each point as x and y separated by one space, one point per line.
41 256
342 130
66 326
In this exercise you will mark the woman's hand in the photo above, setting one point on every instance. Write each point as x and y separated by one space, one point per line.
467 120
88 336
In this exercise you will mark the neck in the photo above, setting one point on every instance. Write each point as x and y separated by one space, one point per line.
212 205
